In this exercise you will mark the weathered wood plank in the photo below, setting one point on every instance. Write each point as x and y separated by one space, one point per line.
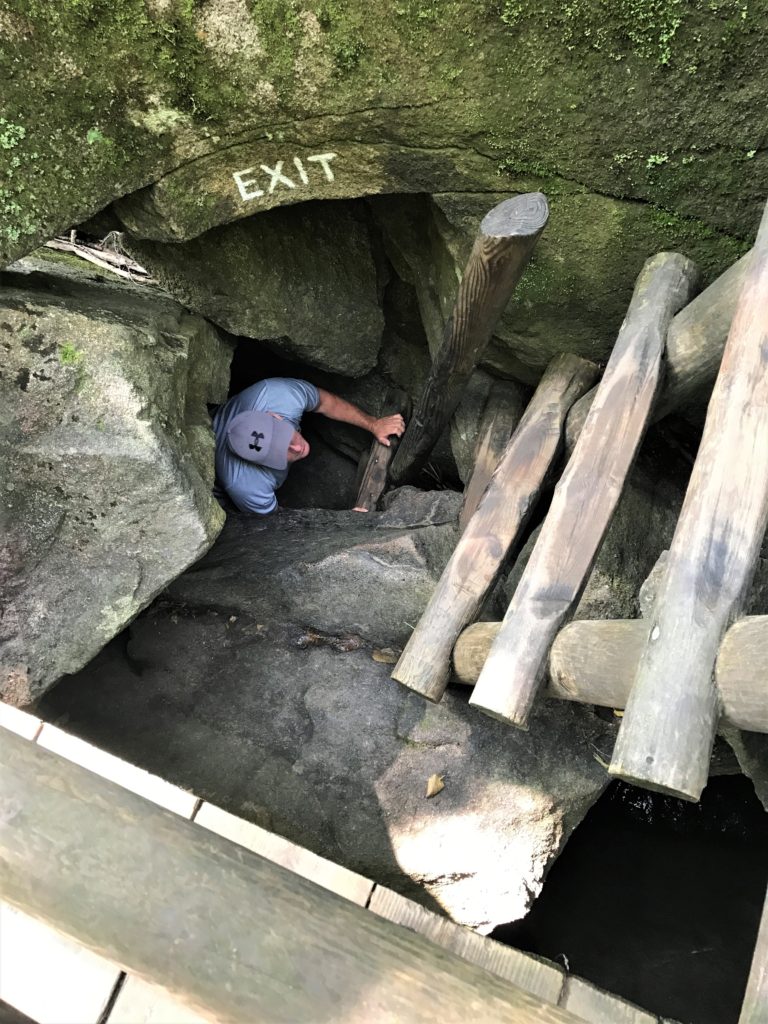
754 1009
586 496
669 724
227 932
508 235
503 412
535 976
695 342
424 665
594 1006
595 662
741 670
374 479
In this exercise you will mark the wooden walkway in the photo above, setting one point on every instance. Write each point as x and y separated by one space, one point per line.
71 984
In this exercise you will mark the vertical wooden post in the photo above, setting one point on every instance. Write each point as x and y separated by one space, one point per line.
754 1009
502 414
586 496
374 479
668 727
508 235
425 663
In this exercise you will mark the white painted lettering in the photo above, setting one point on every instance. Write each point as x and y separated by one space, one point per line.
300 168
324 160
276 175
243 184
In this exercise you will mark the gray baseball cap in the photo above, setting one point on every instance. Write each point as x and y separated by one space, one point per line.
261 438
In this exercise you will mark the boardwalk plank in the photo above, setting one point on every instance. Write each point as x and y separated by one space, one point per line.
226 931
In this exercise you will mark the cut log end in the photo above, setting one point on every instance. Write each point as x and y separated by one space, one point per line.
430 685
519 217
660 782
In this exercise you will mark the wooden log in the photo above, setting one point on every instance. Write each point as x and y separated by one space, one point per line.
229 933
595 662
374 479
754 1009
666 734
586 496
424 665
503 412
695 342
508 235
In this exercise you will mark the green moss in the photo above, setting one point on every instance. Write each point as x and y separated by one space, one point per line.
618 28
69 355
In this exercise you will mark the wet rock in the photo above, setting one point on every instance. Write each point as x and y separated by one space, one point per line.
259 682
108 461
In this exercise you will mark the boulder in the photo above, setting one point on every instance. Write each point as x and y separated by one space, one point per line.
108 457
574 293
260 681
304 275
634 124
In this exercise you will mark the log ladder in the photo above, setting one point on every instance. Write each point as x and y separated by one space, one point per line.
694 660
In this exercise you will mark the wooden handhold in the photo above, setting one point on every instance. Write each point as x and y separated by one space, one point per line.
374 479
508 235
586 496
668 728
503 412
424 665
595 662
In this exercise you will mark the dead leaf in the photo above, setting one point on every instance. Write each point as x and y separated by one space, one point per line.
617 713
385 655
434 784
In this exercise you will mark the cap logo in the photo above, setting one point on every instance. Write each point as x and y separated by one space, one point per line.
259 437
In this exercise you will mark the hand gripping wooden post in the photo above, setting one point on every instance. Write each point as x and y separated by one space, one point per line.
668 728
374 479
508 235
586 496
424 665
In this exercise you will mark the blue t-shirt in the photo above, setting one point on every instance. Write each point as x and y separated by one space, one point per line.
251 487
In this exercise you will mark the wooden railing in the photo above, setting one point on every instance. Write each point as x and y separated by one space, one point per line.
234 936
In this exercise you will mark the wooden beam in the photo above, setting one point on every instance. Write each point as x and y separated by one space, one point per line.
508 235
695 342
754 1009
503 412
424 665
228 932
374 479
586 496
595 662
666 734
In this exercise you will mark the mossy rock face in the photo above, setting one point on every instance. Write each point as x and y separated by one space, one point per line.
658 101
107 452
304 275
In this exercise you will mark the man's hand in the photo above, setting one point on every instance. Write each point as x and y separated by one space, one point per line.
383 428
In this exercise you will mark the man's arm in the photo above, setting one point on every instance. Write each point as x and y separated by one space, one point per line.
336 408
